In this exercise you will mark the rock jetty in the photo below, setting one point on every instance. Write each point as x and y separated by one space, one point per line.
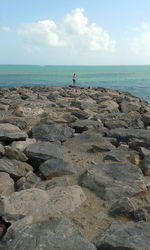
74 169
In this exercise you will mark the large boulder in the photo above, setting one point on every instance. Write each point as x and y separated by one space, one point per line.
7 185
54 234
114 180
41 204
52 132
14 168
40 152
125 135
125 236
56 167
9 132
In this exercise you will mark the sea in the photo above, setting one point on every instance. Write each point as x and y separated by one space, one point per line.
132 79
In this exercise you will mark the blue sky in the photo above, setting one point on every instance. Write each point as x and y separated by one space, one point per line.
98 32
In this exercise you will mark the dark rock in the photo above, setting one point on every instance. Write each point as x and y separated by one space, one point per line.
139 215
54 234
123 235
56 167
40 152
9 132
52 132
145 165
112 124
117 154
124 135
80 114
20 123
112 181
123 206
29 181
83 125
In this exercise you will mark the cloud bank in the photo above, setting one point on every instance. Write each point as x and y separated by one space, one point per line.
73 32
5 28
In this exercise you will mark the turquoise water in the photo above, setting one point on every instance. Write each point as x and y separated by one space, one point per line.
134 79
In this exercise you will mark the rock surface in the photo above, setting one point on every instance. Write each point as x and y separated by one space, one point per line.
125 235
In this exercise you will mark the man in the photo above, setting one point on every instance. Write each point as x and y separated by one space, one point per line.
74 79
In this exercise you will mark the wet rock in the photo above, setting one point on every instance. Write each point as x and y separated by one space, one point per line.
112 181
56 233
41 204
125 235
7 186
9 132
52 132
56 167
40 152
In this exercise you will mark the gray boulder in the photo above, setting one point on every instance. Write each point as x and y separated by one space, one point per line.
52 132
113 181
123 206
7 185
54 234
41 204
9 132
14 168
125 135
83 125
125 236
80 114
40 152
56 167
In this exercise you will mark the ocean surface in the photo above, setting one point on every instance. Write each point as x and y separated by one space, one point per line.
133 79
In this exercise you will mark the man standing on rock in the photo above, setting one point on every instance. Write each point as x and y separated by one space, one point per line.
74 79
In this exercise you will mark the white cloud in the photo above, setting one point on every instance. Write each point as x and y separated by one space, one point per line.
73 32
5 28
141 43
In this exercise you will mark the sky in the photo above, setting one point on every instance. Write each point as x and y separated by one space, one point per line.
65 32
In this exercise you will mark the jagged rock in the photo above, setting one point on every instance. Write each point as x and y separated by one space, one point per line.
101 145
40 152
9 132
83 125
146 119
139 215
123 206
52 132
80 114
125 135
112 124
21 145
14 168
41 204
19 122
127 106
112 181
15 153
54 234
125 235
108 105
28 181
145 165
54 182
56 167
7 185
117 154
